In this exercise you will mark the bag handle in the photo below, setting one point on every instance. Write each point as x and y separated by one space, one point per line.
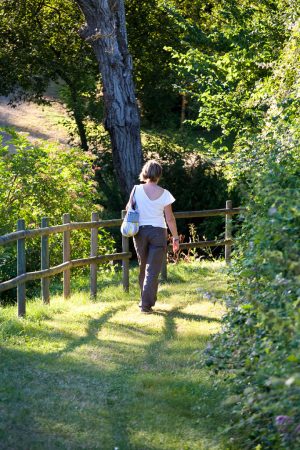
132 197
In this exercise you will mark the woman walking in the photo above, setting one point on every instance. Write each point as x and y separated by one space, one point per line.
155 210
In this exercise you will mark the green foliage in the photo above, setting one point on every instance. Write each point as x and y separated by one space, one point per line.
40 42
41 181
195 181
229 48
150 29
259 346
45 181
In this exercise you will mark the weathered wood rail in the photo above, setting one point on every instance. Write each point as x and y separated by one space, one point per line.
46 271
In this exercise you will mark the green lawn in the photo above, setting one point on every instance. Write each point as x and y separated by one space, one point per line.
101 375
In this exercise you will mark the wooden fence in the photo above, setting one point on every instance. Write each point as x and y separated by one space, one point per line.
47 272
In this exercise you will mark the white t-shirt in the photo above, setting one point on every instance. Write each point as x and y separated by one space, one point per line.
151 212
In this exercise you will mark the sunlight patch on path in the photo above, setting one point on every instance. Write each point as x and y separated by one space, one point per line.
101 374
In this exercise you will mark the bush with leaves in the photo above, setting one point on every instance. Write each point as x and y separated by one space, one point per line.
259 348
227 49
45 181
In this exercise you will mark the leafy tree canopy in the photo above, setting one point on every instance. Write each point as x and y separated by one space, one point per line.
40 42
228 51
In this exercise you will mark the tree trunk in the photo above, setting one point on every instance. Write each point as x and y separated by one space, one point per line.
183 109
75 107
81 130
106 31
78 118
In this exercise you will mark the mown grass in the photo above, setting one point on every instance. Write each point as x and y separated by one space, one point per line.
100 375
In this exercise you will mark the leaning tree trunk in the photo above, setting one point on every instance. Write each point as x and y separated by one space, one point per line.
106 31
78 117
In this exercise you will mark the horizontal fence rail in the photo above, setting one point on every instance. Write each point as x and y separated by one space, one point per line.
202 244
31 276
22 234
208 213
12 237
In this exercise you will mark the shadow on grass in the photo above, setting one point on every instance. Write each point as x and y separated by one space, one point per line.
166 387
65 403
71 405
131 329
93 328
177 314
22 129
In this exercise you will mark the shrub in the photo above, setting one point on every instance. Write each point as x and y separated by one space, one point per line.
258 350
45 181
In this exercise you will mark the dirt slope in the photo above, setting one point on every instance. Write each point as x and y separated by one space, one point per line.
34 121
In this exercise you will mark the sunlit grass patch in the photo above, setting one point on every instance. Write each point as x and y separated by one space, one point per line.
99 374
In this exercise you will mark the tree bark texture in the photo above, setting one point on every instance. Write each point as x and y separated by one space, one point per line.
106 32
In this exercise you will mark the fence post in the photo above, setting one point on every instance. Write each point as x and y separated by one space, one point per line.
228 232
66 256
125 262
94 251
164 272
21 268
45 262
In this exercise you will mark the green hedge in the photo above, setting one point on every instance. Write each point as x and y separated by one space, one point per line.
259 348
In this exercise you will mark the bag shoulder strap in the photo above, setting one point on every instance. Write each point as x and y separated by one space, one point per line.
132 201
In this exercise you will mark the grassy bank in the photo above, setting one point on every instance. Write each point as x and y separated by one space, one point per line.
100 375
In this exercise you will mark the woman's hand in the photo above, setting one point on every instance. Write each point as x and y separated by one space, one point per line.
175 244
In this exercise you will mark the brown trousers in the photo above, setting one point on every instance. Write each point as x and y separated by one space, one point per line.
150 244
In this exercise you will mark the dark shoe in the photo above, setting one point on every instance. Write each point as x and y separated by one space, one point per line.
141 306
147 310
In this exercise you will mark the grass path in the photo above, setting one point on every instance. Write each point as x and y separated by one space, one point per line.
100 375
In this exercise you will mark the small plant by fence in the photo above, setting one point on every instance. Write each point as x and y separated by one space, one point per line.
46 272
